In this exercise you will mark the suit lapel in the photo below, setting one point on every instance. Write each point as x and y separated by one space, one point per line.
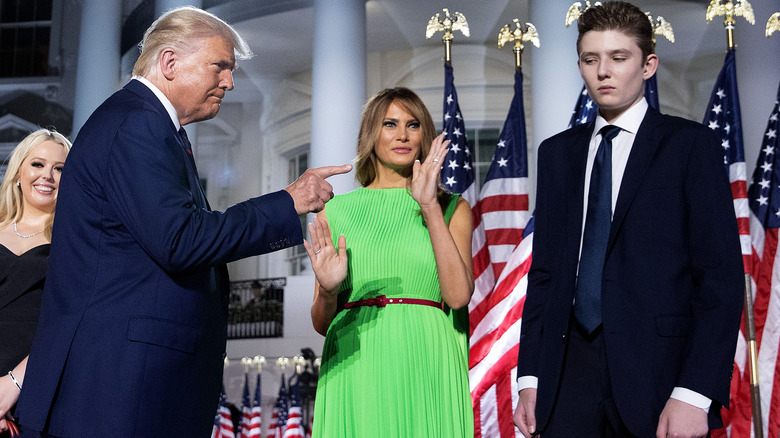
643 150
576 160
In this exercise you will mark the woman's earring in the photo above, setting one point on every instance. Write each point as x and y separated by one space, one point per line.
17 183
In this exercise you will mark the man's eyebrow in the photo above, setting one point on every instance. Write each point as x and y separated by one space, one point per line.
610 53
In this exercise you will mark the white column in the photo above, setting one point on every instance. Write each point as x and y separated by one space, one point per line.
338 84
758 75
97 76
556 80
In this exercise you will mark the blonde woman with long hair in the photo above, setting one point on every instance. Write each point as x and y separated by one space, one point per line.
28 196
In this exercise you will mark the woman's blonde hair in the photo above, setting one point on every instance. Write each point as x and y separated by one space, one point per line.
11 206
180 29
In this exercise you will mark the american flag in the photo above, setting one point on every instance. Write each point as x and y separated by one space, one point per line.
651 92
457 172
246 409
223 422
256 423
457 175
294 427
723 117
279 414
764 198
585 109
500 251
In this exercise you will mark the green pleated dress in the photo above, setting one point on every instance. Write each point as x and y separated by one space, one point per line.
396 371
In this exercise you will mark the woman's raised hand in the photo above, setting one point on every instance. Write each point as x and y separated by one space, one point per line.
329 263
425 176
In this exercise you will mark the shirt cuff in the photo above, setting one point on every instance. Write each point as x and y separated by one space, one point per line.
691 397
525 382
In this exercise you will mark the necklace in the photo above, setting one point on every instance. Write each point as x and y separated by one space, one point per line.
25 236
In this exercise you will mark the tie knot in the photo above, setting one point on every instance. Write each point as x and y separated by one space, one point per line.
609 132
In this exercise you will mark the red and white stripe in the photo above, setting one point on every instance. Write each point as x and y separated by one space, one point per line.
498 219
494 343
255 423
273 427
294 428
225 429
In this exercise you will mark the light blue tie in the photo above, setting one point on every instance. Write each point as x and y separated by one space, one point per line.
587 298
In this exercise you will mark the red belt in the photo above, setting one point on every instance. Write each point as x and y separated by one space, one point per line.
382 301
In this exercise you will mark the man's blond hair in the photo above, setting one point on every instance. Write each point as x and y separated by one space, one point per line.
181 29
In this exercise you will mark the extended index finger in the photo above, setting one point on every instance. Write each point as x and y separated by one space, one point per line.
328 171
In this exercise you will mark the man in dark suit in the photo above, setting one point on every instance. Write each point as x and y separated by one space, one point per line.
133 321
635 289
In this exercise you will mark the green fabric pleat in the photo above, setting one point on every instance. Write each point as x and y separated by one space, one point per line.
397 371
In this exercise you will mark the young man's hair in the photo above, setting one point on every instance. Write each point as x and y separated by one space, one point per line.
619 16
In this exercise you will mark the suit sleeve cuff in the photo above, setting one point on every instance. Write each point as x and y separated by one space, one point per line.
692 398
525 382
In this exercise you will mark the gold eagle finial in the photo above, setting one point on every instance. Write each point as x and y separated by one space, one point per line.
661 27
575 10
740 8
450 23
518 35
773 24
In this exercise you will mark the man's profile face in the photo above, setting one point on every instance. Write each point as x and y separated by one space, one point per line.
202 79
614 71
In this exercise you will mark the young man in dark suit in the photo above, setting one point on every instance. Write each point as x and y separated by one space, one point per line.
635 290
133 321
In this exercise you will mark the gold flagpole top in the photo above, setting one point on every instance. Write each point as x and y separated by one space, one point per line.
730 9
518 35
298 362
661 27
448 24
773 24
282 363
259 361
575 10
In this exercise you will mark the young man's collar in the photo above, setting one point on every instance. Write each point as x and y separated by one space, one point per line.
628 121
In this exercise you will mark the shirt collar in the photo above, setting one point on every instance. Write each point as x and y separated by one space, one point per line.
628 121
164 100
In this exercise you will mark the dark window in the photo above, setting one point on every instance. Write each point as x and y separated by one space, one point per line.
485 141
25 32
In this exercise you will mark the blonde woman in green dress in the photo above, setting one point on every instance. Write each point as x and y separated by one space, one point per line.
386 257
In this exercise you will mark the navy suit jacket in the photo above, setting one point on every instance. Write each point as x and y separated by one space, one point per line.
133 320
672 281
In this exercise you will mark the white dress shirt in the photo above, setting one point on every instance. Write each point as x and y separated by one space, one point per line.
164 100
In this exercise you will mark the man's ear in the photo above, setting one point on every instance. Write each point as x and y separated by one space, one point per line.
651 65
167 63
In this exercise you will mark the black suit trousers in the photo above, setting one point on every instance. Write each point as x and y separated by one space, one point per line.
584 406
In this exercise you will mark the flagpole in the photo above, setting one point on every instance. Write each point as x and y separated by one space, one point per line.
730 9
448 24
518 35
